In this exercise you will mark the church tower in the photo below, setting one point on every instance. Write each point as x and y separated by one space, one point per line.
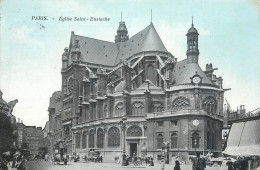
122 33
192 45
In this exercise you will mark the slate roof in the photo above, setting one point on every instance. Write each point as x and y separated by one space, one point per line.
109 53
146 40
151 86
97 51
183 71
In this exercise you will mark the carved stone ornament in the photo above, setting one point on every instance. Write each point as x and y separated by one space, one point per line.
181 102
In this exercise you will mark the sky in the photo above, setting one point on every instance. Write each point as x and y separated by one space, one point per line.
31 50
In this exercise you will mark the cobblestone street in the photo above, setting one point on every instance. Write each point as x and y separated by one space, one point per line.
42 165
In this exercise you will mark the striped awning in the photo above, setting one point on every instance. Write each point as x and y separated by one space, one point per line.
244 139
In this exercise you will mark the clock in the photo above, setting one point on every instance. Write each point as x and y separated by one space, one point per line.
196 122
70 85
196 79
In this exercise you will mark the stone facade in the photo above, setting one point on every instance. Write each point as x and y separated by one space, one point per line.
21 128
34 138
54 128
133 95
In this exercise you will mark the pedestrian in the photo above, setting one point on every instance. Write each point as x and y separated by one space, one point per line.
198 163
177 165
151 162
162 164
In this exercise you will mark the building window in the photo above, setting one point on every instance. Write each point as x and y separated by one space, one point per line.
119 109
174 139
100 138
213 141
134 131
137 108
209 140
160 124
174 123
209 104
159 141
84 140
195 140
91 138
113 137
180 103
77 140
150 72
157 107
105 110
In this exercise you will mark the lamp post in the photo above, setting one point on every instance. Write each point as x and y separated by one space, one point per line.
123 125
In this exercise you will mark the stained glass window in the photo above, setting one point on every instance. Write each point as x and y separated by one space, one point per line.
100 138
113 137
134 131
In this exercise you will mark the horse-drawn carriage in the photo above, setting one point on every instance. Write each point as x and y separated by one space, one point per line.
59 156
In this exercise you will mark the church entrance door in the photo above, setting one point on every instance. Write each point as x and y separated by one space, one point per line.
133 149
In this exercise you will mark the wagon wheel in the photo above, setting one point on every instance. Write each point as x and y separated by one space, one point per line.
215 164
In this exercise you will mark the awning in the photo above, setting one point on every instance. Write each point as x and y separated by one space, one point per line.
243 150
244 139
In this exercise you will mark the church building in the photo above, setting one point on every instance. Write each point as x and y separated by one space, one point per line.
133 96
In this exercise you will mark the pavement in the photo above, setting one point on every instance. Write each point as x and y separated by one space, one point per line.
43 165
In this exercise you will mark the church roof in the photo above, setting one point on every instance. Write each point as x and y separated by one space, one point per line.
109 53
151 86
97 51
146 40
192 30
183 71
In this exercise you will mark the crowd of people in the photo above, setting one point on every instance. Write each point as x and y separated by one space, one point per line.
8 161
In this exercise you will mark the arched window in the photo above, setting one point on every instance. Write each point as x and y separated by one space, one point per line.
157 107
137 108
91 138
195 140
133 85
159 141
113 137
209 104
150 72
134 131
119 109
100 138
180 103
174 139
84 140
77 138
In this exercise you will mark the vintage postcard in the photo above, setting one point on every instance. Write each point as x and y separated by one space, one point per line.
118 84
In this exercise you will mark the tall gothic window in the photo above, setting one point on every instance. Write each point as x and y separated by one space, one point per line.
209 104
174 139
180 103
91 138
113 137
134 131
195 140
157 107
209 140
159 141
100 138
134 85
137 108
150 72
84 140
119 109
77 138
105 110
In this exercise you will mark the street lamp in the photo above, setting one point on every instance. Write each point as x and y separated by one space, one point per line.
123 125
